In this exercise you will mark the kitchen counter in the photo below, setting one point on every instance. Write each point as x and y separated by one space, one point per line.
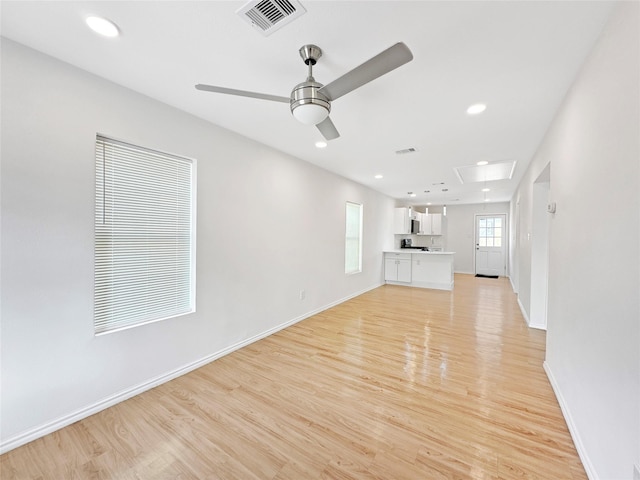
418 268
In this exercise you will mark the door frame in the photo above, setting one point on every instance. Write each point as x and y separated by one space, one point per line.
505 239
540 231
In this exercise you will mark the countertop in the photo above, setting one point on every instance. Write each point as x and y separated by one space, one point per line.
415 251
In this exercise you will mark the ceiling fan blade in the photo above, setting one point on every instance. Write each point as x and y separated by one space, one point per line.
390 59
243 93
328 129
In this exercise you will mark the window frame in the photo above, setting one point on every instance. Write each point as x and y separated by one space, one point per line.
168 242
349 238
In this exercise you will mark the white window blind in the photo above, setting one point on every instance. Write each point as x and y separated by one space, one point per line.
353 239
144 236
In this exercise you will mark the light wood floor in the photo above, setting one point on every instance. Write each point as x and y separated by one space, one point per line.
399 383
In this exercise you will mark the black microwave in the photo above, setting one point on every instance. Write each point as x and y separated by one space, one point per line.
415 226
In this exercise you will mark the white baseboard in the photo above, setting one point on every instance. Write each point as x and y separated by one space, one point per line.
523 311
432 285
513 287
49 427
528 320
566 413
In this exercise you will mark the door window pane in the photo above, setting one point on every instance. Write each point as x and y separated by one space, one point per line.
490 232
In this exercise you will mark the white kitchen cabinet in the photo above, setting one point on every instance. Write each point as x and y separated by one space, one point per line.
436 223
402 220
431 224
423 269
397 267
423 217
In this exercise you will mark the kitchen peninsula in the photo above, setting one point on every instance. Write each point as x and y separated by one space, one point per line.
418 268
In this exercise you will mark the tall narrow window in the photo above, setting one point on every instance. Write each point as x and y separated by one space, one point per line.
353 239
144 236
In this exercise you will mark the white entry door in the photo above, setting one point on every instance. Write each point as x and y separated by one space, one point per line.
490 245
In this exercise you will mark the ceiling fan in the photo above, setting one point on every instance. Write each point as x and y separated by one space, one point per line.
310 101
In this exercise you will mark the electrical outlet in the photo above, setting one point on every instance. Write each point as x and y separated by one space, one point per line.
303 294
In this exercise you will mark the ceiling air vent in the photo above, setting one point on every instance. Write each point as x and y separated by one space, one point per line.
267 16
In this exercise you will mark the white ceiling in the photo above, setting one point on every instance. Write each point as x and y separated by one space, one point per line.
518 57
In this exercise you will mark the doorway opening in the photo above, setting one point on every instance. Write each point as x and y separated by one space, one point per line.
540 250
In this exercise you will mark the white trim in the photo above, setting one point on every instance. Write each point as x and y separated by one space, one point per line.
49 427
432 285
513 287
526 318
573 430
636 472
537 326
523 311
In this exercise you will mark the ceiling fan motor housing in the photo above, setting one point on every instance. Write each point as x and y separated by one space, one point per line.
306 94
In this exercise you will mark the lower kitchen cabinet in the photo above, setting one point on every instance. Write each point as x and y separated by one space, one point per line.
397 267
419 269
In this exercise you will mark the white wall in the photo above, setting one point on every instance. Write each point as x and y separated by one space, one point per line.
460 231
268 225
593 338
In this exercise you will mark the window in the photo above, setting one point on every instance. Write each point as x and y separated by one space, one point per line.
353 239
144 236
490 234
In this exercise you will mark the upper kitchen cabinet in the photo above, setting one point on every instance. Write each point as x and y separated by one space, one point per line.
431 224
402 220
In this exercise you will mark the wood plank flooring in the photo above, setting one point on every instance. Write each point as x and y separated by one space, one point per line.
398 383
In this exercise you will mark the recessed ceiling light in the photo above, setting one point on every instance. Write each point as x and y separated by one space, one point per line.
378 176
428 203
486 189
476 108
321 144
482 162
103 26
405 151
487 199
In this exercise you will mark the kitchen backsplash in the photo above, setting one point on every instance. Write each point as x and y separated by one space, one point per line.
436 241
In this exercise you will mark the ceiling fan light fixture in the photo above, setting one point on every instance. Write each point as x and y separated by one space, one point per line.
307 105
310 113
